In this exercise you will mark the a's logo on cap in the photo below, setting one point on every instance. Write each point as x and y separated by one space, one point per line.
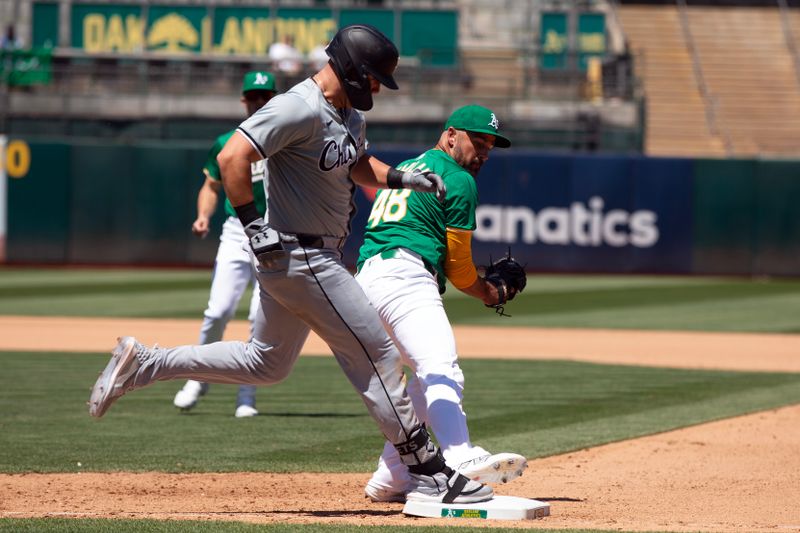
263 79
494 123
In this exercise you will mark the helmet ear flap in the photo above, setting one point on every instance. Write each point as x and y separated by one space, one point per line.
354 79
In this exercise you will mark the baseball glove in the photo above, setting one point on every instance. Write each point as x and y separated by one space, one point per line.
509 277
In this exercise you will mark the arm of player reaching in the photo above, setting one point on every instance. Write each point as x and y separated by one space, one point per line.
372 172
461 271
234 165
207 200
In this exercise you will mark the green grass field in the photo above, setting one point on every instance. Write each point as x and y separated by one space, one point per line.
44 426
557 406
637 302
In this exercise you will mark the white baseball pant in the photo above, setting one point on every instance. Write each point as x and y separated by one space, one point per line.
406 296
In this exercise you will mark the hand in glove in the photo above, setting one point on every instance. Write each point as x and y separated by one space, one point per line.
423 181
264 241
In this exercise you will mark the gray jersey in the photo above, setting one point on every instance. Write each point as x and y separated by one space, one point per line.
311 149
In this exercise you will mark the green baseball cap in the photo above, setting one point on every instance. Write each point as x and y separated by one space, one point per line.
478 119
258 81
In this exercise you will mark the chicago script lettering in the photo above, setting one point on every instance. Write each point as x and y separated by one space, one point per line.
334 155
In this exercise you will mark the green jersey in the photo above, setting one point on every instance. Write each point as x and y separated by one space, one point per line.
417 221
258 171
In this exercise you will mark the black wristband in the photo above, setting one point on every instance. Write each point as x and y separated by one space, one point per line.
394 178
247 213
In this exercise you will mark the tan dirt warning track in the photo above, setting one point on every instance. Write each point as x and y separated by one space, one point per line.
737 475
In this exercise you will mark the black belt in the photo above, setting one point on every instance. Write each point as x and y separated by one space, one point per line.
313 241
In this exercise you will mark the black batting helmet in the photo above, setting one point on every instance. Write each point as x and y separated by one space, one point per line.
358 50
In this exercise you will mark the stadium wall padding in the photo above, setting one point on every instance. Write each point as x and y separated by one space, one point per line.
105 203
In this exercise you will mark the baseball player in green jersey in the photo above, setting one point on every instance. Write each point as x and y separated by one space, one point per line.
313 137
412 243
233 269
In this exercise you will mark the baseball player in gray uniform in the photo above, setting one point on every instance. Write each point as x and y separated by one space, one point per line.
314 138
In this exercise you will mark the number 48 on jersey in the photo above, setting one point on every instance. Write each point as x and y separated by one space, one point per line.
390 206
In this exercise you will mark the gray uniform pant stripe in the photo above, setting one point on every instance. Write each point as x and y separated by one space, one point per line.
292 301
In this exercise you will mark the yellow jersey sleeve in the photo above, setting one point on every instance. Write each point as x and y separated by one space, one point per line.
458 265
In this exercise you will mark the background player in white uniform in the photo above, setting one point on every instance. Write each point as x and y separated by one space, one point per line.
313 137
233 269
412 242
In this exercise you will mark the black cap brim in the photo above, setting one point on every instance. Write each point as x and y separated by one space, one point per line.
499 140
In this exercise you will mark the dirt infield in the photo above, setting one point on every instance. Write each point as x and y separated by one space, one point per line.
740 474
729 351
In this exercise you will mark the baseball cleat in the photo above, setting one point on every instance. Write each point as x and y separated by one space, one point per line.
448 486
494 468
113 381
377 494
245 411
187 397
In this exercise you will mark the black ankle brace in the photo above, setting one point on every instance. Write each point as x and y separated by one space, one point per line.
419 449
433 466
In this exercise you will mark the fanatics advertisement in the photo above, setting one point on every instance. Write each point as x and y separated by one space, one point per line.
576 213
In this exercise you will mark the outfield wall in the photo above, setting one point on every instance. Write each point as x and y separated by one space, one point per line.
102 203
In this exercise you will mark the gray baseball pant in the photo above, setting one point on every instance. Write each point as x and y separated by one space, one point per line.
306 288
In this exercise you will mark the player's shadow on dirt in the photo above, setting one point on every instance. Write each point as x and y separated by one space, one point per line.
199 414
296 512
556 499
333 514
314 415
